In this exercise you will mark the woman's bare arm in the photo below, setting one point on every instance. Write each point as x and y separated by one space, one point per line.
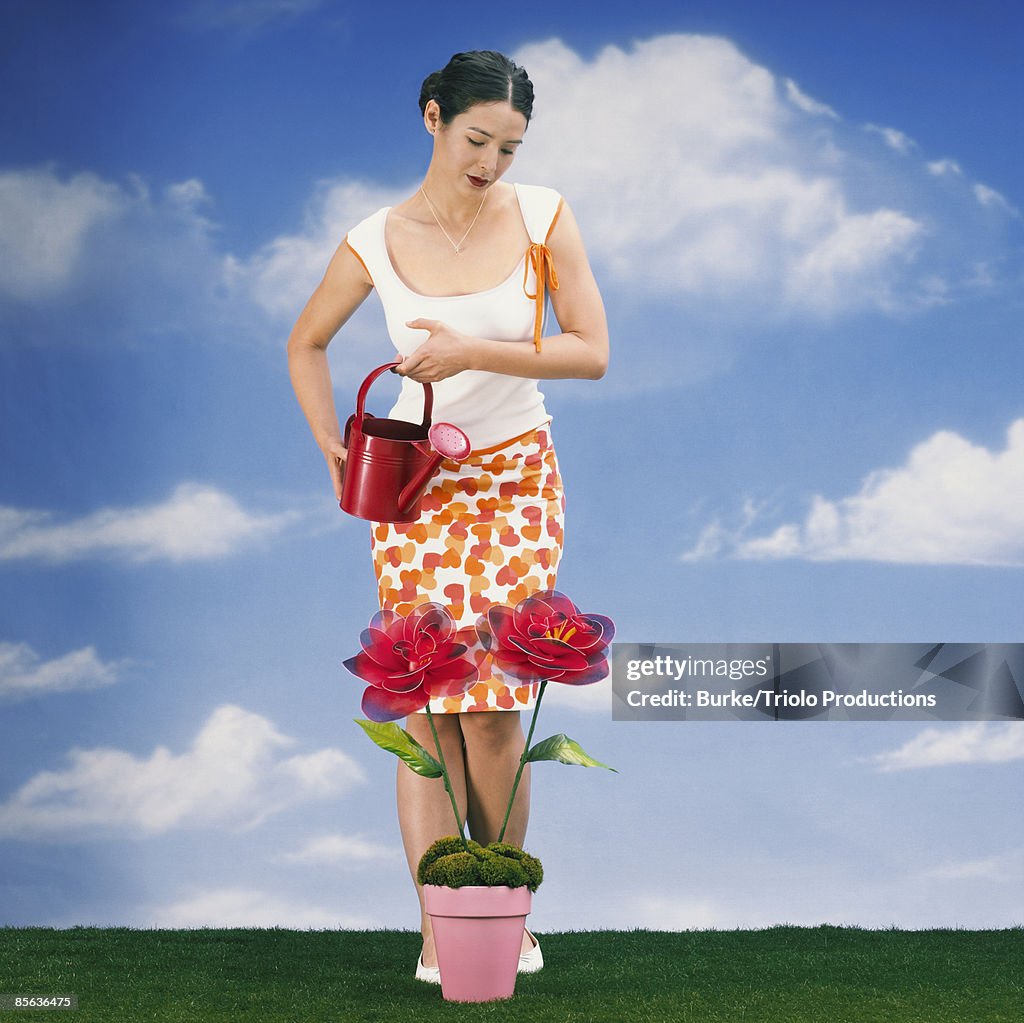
581 350
344 287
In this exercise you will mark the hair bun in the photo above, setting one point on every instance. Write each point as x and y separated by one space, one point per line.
428 90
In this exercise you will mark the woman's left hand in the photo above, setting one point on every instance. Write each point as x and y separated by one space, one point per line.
444 353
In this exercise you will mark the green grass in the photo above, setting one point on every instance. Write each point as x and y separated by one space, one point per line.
781 975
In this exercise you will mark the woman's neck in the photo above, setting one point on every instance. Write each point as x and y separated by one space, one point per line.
455 209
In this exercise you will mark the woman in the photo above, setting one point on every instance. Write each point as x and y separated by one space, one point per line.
461 268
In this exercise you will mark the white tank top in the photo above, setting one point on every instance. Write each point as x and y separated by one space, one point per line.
489 407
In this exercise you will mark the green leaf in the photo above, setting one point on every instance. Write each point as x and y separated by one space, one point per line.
397 740
566 751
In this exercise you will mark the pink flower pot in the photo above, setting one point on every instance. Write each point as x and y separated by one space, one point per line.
478 932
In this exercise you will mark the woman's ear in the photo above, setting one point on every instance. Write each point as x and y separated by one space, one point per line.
432 116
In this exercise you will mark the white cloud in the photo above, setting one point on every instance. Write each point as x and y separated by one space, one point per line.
125 262
23 673
195 523
44 225
246 907
188 195
994 200
342 851
281 275
894 139
944 166
709 179
953 502
316 774
715 538
805 103
979 742
862 247
234 775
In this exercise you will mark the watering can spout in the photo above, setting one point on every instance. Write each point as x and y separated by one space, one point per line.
444 441
413 490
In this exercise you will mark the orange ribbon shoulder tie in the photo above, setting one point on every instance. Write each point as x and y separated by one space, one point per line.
539 257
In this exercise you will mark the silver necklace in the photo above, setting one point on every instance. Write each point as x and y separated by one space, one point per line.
457 246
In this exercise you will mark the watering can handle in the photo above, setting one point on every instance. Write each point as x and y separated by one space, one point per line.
428 396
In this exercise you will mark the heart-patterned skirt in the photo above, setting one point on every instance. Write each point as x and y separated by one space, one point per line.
490 532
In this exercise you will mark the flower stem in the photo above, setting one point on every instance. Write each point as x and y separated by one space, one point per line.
447 780
522 760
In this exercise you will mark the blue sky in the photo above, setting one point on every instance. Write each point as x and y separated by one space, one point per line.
807 229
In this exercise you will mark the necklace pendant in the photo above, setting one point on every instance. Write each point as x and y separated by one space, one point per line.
456 245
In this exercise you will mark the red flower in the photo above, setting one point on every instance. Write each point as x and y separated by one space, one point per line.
546 638
408 660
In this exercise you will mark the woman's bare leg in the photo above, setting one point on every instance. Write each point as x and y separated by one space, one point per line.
424 809
494 743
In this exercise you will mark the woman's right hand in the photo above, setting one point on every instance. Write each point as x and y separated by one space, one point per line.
335 452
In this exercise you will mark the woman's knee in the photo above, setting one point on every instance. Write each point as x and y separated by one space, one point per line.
493 730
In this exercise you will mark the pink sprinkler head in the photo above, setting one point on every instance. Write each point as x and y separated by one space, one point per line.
449 441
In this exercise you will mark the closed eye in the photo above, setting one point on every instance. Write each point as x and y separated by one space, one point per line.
475 142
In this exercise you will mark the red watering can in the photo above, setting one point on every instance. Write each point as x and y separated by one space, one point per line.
390 462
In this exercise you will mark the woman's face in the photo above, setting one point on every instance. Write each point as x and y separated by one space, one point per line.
478 145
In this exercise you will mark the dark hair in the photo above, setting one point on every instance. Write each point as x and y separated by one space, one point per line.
478 76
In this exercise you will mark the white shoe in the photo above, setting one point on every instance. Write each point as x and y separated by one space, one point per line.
428 974
532 961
